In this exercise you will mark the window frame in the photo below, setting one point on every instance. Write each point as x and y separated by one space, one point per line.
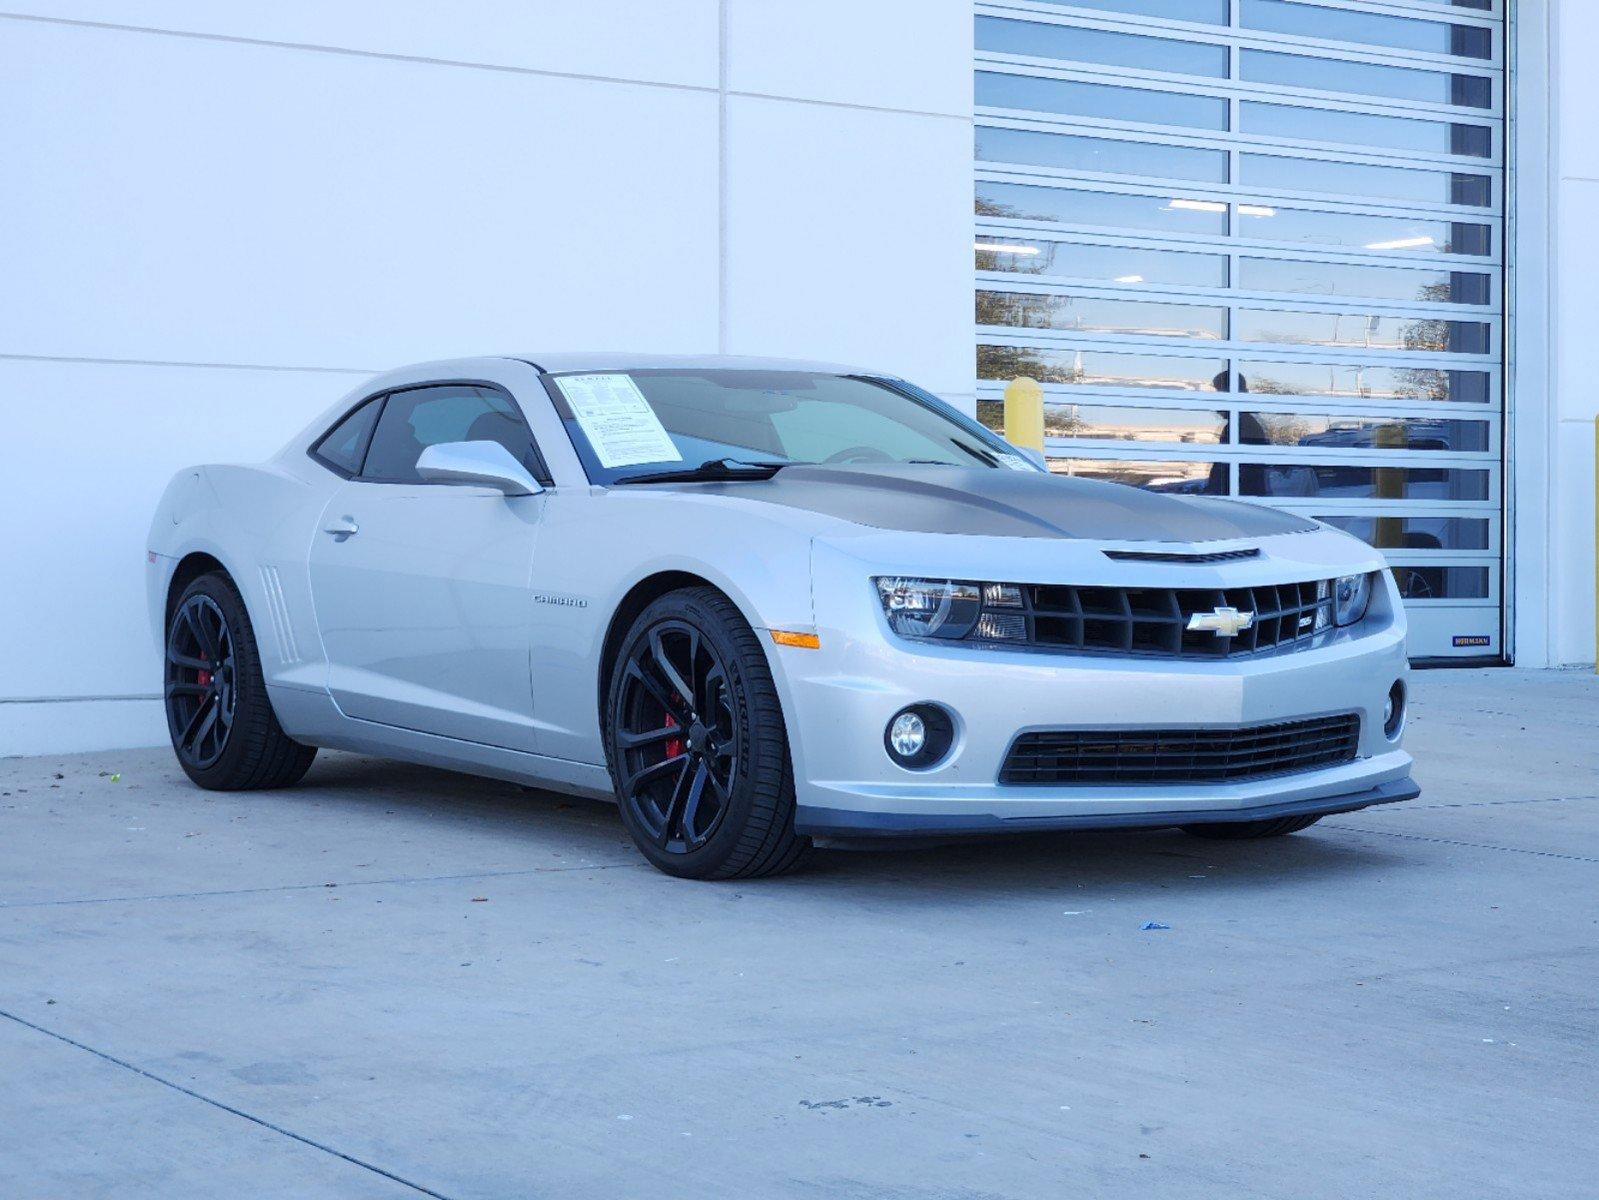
314 451
539 469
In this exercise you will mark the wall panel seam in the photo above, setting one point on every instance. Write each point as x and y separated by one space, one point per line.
202 366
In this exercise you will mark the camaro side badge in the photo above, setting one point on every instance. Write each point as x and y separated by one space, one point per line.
1223 622
559 601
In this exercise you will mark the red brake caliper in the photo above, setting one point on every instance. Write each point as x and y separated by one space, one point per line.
204 678
674 746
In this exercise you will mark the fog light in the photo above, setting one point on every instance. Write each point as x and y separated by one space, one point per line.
1393 711
919 737
907 735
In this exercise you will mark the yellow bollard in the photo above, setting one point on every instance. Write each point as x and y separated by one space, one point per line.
1024 414
1389 484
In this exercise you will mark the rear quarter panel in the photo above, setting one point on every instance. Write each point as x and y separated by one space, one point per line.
257 521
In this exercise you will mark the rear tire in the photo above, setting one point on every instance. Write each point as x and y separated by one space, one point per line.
696 743
1246 831
223 729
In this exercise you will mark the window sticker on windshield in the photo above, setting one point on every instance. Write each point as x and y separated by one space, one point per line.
619 422
1017 463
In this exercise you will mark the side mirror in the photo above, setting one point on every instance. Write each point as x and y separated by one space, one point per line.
479 464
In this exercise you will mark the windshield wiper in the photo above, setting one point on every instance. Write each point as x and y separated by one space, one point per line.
986 457
712 470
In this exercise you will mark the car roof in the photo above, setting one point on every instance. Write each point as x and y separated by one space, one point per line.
617 360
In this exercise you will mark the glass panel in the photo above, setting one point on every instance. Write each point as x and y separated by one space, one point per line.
1442 583
1361 329
1177 426
1296 480
1351 181
1075 44
422 417
1364 129
1194 478
1099 368
1415 533
1023 255
1360 383
1104 155
1348 279
344 445
1341 25
1082 314
1361 433
1356 231
1208 12
1366 79
1072 99
1111 210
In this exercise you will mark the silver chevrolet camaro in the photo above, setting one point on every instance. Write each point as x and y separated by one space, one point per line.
764 605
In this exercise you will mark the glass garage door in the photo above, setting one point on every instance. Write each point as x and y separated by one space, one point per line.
1255 248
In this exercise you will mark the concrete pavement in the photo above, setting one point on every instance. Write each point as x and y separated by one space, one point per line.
393 982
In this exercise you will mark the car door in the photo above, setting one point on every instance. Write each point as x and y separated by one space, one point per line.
421 589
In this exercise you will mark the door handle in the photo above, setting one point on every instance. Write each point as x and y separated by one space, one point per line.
342 529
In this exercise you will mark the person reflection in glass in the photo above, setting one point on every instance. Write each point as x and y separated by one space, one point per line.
1258 479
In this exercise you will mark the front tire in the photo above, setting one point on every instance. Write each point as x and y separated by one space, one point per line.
697 746
1246 831
223 729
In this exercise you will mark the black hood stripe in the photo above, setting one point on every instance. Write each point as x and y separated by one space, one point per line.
984 502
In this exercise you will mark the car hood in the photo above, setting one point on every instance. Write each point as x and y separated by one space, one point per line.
983 502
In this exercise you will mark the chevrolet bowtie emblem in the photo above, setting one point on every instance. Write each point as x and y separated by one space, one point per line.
1224 622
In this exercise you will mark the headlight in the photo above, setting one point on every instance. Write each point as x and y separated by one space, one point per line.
953 608
1351 598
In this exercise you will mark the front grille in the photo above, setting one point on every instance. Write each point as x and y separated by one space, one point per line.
1155 620
1179 756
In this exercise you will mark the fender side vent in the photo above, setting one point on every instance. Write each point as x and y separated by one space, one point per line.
278 614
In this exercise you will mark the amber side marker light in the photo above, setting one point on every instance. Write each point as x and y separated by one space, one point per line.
805 641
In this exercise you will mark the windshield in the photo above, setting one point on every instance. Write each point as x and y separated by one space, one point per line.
647 422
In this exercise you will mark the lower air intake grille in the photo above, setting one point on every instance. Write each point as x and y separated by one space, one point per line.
1179 756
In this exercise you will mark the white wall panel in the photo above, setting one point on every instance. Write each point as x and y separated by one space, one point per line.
1574 185
669 41
1576 90
1577 279
102 442
80 725
849 238
284 185
910 54
1576 377
1572 563
205 201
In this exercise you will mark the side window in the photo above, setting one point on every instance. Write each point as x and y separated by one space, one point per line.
418 418
343 446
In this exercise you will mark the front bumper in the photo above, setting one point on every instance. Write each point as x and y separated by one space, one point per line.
840 698
855 823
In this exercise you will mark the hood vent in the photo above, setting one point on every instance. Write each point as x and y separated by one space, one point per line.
1173 556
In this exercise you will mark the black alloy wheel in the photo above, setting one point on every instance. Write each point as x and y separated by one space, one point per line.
678 737
224 730
201 682
697 745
